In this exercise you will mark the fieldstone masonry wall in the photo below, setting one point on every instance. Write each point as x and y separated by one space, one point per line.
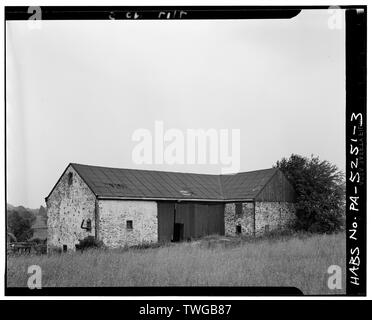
69 203
113 217
269 216
233 219
274 216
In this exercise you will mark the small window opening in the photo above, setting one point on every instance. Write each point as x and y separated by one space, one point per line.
64 248
70 178
129 224
238 229
238 209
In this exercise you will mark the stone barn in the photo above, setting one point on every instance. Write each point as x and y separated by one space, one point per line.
125 207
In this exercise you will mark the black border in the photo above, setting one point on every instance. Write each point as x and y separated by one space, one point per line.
130 309
356 151
153 12
355 36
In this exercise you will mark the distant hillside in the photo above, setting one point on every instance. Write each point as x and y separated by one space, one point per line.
21 209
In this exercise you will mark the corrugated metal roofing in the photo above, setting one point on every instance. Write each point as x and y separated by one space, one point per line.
131 183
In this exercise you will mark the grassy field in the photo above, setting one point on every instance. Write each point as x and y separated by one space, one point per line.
300 261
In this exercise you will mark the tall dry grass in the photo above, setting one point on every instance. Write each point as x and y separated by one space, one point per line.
301 262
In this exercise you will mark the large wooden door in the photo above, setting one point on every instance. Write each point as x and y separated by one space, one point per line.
217 218
185 216
165 221
197 220
209 219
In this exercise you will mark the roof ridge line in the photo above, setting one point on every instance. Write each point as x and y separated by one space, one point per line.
182 172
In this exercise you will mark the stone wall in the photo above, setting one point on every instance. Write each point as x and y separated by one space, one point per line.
234 219
269 216
113 216
69 204
274 216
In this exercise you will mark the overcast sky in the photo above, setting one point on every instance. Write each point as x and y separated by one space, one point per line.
77 90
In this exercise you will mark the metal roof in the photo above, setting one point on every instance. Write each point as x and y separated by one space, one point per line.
246 185
149 184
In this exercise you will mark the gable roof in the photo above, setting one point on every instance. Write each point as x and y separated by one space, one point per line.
246 185
150 184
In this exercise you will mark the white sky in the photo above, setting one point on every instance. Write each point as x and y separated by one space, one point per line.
76 91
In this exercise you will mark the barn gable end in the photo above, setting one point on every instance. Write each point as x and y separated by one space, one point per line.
271 208
70 204
277 189
274 207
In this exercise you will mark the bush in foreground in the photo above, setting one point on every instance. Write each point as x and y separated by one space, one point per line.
89 242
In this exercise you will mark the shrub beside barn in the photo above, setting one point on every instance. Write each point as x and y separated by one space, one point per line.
126 207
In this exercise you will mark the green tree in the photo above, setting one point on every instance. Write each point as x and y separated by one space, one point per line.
320 189
20 224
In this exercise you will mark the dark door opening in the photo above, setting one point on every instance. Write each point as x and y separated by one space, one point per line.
178 232
238 229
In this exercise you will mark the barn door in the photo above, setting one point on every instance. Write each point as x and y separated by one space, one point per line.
185 216
165 221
